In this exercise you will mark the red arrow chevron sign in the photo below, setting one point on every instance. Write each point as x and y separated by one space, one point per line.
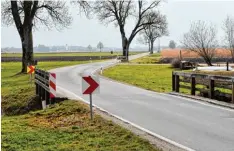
90 85
30 69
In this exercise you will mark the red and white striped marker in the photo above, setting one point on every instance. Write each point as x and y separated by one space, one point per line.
52 81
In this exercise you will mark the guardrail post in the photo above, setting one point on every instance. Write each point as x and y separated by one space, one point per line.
211 89
43 92
47 93
233 92
173 81
193 86
37 89
177 83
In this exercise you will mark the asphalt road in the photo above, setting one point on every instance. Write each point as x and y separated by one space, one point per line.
198 126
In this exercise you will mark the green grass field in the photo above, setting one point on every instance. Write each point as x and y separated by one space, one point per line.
151 77
68 54
64 126
67 127
151 59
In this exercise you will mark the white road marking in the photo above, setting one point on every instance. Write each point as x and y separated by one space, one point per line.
124 120
135 125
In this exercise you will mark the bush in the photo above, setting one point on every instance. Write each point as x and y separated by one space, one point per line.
175 63
165 60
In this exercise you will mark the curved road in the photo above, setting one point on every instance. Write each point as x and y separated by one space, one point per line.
192 124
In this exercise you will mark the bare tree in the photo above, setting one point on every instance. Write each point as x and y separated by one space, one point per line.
229 34
201 39
172 44
143 39
100 46
153 31
89 48
28 14
119 11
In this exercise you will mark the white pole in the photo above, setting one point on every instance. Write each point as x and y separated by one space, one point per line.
91 108
101 70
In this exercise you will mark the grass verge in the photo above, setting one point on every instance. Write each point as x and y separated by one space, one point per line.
151 59
17 91
157 78
66 127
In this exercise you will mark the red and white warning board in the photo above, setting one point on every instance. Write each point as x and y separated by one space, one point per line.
30 69
90 85
52 85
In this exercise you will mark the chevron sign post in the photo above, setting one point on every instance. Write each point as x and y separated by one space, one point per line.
52 85
90 85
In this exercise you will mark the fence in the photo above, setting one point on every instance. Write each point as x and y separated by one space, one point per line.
42 83
209 81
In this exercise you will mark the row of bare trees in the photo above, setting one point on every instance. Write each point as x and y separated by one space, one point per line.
202 39
153 31
149 22
29 14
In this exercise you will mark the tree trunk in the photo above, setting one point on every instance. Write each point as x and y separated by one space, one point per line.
125 45
208 61
27 48
232 54
151 47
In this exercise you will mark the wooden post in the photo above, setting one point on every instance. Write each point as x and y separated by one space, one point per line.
177 83
181 65
211 89
227 66
233 92
193 86
173 81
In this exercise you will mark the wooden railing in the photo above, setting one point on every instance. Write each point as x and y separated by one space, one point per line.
209 81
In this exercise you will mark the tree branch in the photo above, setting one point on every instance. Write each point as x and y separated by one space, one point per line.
18 23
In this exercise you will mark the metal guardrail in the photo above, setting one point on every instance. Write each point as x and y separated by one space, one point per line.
42 87
209 81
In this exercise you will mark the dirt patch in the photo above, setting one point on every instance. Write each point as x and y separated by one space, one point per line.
24 106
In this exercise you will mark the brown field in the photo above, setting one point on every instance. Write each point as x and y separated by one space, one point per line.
172 53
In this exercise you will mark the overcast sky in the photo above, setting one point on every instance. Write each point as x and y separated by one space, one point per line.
83 31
